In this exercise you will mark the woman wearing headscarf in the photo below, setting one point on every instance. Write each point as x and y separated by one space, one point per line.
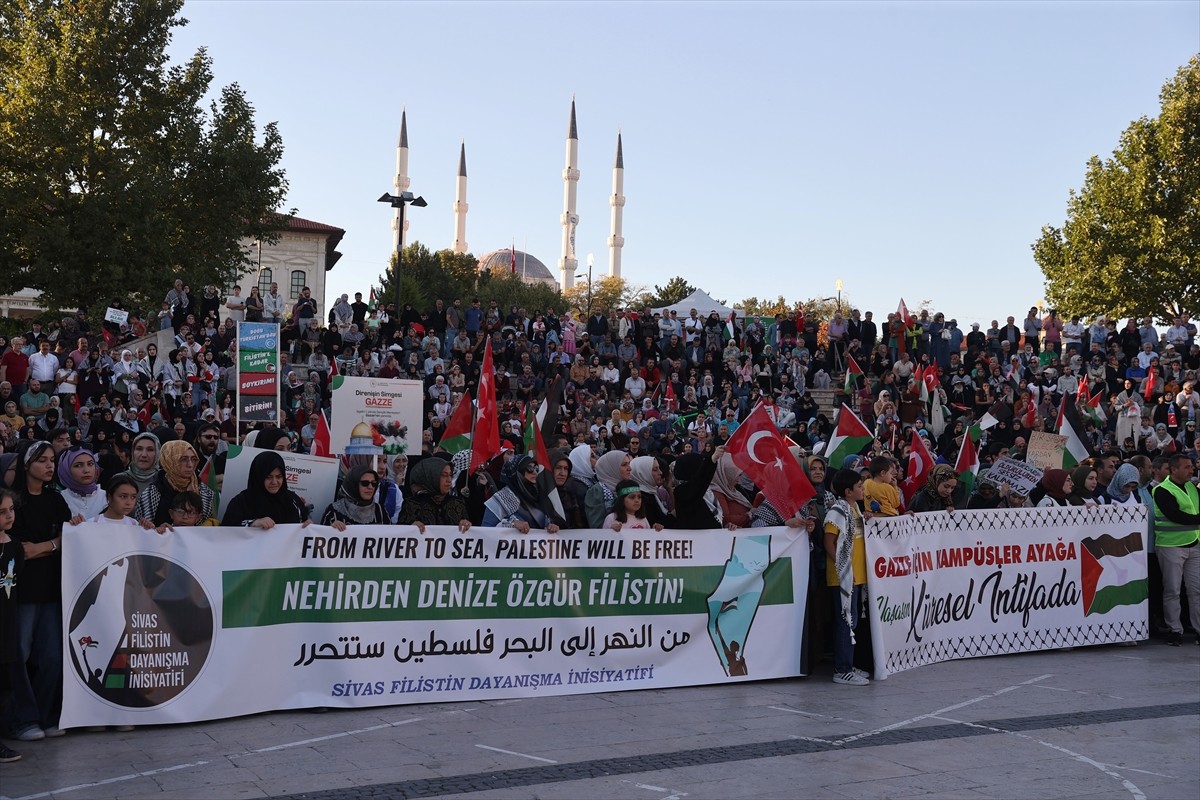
520 503
1123 488
432 500
735 505
695 506
355 503
143 462
273 439
611 468
392 472
177 473
554 483
650 480
79 475
37 696
1083 480
938 492
1055 485
266 501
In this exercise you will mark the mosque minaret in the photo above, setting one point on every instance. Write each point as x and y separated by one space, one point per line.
460 203
567 263
401 183
615 240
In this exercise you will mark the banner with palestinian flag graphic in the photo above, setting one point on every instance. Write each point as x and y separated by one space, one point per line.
1114 572
992 581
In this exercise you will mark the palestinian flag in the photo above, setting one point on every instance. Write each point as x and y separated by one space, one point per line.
967 465
849 438
731 326
1113 573
534 444
852 373
1076 450
1094 410
999 412
457 434
371 302
208 477
548 412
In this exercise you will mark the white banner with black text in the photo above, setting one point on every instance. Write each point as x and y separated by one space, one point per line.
206 623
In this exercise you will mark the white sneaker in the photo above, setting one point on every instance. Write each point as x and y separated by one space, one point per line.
31 734
53 732
862 673
851 679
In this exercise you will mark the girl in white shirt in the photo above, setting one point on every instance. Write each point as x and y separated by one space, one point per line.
122 495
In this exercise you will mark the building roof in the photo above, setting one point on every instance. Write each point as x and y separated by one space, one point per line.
334 235
528 266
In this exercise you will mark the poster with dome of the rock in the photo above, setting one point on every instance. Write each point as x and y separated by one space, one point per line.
373 416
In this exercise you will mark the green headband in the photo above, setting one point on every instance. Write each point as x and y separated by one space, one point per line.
629 490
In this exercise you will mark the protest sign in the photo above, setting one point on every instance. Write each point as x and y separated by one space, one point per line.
205 623
1045 450
376 415
116 315
1019 475
980 583
258 372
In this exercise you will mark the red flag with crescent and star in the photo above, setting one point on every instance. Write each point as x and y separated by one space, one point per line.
485 442
761 452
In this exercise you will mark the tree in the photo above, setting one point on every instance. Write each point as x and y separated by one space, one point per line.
115 178
1131 241
609 292
752 306
676 289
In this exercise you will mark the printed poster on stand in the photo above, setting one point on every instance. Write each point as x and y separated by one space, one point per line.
376 416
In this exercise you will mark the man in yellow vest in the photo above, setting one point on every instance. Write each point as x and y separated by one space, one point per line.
1176 537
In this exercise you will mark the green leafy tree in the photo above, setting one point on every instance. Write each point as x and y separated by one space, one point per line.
606 293
1131 241
115 175
509 290
752 306
676 289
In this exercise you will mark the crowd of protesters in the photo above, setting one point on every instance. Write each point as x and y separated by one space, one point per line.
95 418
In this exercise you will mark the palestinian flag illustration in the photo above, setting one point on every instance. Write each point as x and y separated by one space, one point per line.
1113 572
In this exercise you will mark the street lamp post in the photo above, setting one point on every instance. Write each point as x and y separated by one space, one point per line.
591 263
399 201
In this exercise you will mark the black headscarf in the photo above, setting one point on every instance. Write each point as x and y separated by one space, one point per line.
283 506
268 438
349 502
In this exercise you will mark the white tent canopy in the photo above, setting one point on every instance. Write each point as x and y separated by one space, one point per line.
700 301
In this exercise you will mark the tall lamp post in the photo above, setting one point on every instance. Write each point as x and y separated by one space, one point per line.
591 263
399 201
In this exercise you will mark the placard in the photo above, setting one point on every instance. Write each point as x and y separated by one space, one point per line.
1021 477
258 372
1045 450
373 416
312 477
116 315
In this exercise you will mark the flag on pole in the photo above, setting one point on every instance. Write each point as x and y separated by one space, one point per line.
1070 426
920 462
967 465
208 477
671 399
534 444
512 263
731 326
1095 410
852 371
548 412
902 312
371 301
849 438
1148 384
485 440
759 451
333 369
321 440
999 412
457 435
1085 391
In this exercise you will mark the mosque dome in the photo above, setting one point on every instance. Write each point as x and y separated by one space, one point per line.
361 431
528 266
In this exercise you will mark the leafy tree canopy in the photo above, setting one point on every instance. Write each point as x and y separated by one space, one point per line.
676 289
606 293
115 176
1130 245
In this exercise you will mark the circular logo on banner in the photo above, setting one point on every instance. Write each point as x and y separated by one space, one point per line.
141 631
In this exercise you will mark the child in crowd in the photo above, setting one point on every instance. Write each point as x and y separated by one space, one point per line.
846 569
122 494
185 511
628 509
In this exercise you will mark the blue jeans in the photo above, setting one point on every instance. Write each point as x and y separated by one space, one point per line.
448 342
37 695
843 649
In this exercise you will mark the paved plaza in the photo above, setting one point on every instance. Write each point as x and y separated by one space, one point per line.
1099 722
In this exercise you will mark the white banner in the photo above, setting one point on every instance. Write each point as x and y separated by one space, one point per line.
206 623
978 583
314 478
116 315
373 416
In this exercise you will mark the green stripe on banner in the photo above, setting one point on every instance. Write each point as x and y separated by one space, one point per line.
1127 594
259 597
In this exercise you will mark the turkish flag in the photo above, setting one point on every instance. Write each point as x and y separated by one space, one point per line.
485 442
321 441
920 462
761 452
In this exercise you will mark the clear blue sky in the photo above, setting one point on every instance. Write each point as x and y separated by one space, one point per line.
910 149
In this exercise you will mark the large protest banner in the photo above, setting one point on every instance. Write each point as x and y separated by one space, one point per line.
258 371
206 623
371 416
979 583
